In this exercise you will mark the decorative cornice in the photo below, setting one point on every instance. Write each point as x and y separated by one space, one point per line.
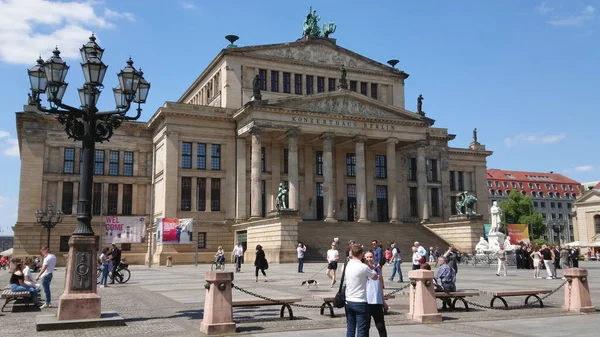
455 150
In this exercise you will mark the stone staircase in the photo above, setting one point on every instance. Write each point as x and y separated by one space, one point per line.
318 236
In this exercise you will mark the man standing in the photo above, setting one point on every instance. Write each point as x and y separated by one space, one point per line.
396 261
301 249
115 257
549 257
238 252
376 253
357 308
502 258
46 274
421 250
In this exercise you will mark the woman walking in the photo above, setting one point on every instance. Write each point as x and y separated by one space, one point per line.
260 263
332 263
377 304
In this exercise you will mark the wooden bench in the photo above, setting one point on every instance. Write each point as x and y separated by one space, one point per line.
449 299
13 296
500 294
256 302
328 299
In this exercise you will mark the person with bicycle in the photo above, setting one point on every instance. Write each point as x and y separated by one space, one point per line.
220 255
115 257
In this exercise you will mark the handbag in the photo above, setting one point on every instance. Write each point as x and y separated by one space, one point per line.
266 264
339 301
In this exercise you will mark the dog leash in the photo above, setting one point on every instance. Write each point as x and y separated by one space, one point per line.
310 278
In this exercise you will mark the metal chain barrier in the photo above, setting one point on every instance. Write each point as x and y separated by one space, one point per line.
274 301
396 291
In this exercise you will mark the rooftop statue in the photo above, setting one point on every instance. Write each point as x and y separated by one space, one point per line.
475 135
311 24
329 29
420 105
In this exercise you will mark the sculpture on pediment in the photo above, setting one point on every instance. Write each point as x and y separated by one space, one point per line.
475 135
311 24
329 28
420 105
280 201
467 202
343 80
256 95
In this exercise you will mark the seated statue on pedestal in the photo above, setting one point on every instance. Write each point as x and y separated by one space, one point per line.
482 246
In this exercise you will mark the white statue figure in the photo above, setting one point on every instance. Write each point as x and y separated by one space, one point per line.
507 245
481 246
496 212
494 246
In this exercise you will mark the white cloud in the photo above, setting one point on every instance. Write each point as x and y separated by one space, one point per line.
584 168
588 13
539 138
32 27
8 146
189 5
543 8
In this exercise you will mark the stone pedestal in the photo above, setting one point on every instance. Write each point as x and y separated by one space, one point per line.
495 240
218 313
577 292
462 230
422 304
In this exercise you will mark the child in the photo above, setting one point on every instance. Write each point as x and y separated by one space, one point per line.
388 255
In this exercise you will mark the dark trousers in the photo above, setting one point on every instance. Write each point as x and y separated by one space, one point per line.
300 264
114 271
358 319
262 270
376 311
416 267
238 263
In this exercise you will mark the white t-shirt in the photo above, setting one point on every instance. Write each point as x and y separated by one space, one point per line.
397 258
50 262
332 255
357 275
238 250
300 251
416 257
27 272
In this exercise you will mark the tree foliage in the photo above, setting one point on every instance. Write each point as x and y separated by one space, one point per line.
518 209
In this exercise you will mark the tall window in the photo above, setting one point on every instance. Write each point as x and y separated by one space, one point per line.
215 194
452 181
380 167
285 160
201 156
353 85
374 90
412 168
67 198
414 208
351 164
331 84
113 163
274 81
127 199
435 202
215 157
287 83
97 199
320 84
461 181
319 159
262 79
113 199
186 155
452 208
186 193
201 194
298 84
433 170
597 223
99 162
128 163
263 160
201 240
363 88
69 161
309 84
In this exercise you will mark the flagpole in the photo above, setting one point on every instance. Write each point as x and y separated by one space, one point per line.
196 243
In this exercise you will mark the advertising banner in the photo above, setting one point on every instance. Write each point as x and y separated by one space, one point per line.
125 229
174 231
518 233
486 230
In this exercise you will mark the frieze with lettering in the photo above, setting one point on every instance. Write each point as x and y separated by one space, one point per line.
342 123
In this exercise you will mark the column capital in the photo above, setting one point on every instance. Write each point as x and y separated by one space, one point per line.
256 130
292 133
170 133
327 136
360 139
392 140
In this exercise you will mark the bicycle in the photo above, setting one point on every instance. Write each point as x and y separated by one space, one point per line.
218 265
123 273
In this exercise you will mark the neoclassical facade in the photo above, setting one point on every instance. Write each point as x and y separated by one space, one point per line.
221 151
586 216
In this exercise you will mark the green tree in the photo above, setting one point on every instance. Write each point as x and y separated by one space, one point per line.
518 209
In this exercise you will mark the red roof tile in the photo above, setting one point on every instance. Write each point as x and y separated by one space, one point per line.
597 186
535 178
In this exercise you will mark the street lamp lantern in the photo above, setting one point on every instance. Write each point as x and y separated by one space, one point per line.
93 69
142 92
86 97
37 77
56 93
56 69
90 47
48 219
120 98
129 80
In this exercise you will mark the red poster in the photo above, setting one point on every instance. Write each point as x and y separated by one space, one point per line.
169 229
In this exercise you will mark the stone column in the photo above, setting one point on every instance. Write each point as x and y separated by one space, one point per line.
392 179
422 185
361 179
256 202
240 193
328 186
293 169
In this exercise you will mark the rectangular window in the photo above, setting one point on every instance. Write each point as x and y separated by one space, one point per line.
569 205
99 162
542 204
67 198
374 90
535 204
215 194
353 85
433 170
274 81
452 208
262 79
414 208
412 169
319 159
285 160
380 167
331 84
287 83
351 164
126 247
559 204
363 88
552 205
309 84
452 181
97 199
461 181
201 194
113 199
128 164
127 199
263 160
201 240
298 84
69 161
201 156
215 157
186 193
435 202
186 155
320 84
113 163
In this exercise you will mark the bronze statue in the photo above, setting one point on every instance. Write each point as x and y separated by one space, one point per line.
329 29
311 24
256 88
420 104
475 135
467 201
280 200
343 80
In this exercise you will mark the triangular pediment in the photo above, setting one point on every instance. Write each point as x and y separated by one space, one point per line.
591 196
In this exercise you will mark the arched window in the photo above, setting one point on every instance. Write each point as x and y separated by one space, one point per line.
533 194
551 195
574 196
597 223
523 192
558 195
492 192
499 192
541 194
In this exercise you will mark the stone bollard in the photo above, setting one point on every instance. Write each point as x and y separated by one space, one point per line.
422 304
218 313
577 292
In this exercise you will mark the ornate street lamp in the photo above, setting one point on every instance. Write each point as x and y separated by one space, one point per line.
48 219
88 125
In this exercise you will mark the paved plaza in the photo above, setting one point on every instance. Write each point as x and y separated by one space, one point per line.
162 301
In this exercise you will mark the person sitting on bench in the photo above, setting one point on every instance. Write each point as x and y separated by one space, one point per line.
17 282
446 275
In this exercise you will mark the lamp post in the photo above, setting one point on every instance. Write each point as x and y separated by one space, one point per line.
48 219
88 125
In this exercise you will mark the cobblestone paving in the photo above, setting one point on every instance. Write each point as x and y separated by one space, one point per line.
166 302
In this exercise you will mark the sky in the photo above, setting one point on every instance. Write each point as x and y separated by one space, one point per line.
524 73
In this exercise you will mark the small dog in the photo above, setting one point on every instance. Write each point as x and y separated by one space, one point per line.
310 283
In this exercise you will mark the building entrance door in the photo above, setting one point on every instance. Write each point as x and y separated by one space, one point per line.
242 238
320 202
350 201
382 203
